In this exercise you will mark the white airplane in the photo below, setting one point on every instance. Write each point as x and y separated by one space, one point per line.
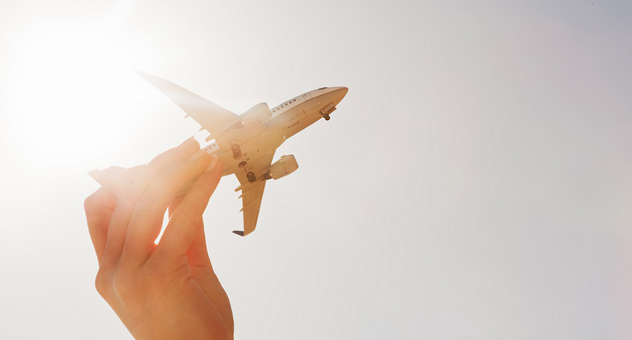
246 143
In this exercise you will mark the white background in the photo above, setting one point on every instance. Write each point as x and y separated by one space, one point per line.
474 183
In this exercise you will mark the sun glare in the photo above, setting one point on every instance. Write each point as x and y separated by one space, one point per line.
165 221
67 87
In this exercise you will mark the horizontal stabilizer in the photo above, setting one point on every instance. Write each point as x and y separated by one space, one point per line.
238 232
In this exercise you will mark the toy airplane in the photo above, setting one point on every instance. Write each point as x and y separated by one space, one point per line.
246 143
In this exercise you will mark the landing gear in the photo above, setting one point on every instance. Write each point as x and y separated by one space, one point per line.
251 177
327 110
236 151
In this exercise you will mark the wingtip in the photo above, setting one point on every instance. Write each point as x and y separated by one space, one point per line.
148 77
116 186
238 232
141 73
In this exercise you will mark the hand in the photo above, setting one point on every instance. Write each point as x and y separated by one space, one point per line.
168 290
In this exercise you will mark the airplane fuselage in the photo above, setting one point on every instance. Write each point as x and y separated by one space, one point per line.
285 120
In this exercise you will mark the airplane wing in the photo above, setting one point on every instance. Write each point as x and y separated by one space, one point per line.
252 193
214 118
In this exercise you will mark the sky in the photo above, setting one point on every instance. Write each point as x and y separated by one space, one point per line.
473 184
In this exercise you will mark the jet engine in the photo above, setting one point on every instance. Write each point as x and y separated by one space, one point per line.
283 167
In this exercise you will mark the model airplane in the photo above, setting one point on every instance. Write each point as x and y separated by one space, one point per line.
246 143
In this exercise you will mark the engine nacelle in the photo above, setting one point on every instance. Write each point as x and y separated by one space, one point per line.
283 167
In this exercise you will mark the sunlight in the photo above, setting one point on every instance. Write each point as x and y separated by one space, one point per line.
69 89
165 221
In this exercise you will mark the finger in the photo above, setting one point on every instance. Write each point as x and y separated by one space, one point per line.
163 161
208 281
127 198
146 221
198 258
181 230
198 252
175 203
98 208
203 273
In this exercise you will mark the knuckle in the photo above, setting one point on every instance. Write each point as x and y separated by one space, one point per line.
126 200
145 176
99 202
130 285
146 207
102 284
151 171
175 172
182 216
123 283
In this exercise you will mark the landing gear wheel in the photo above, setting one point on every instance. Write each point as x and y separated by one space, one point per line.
251 177
326 115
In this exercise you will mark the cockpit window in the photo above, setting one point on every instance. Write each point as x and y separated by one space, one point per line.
322 88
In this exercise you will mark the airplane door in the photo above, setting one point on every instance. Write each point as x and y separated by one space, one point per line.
305 108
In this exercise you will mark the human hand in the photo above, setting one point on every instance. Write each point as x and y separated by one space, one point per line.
168 290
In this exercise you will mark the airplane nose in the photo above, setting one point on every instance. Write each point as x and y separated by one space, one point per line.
341 92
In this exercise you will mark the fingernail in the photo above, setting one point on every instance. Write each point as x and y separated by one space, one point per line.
187 142
212 163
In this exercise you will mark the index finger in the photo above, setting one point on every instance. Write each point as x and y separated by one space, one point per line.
180 232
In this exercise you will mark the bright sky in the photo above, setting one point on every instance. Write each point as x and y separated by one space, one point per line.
474 183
